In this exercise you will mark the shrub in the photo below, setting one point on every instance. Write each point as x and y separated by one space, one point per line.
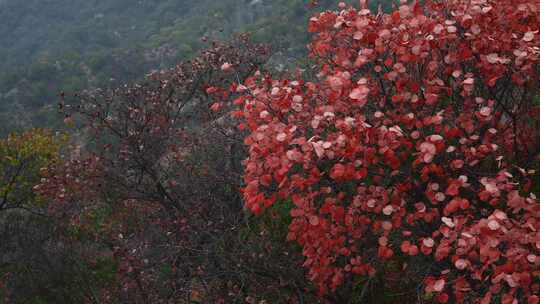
156 186
414 145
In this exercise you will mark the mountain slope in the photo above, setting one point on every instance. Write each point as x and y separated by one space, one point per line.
50 46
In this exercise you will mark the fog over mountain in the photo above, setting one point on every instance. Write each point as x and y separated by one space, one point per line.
48 46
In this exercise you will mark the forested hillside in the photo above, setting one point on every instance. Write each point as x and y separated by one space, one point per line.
56 45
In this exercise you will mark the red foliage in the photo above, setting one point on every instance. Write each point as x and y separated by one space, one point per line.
139 188
410 142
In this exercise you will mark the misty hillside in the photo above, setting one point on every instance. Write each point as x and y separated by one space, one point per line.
49 46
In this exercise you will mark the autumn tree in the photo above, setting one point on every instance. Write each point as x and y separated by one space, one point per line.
412 155
21 158
36 265
156 184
